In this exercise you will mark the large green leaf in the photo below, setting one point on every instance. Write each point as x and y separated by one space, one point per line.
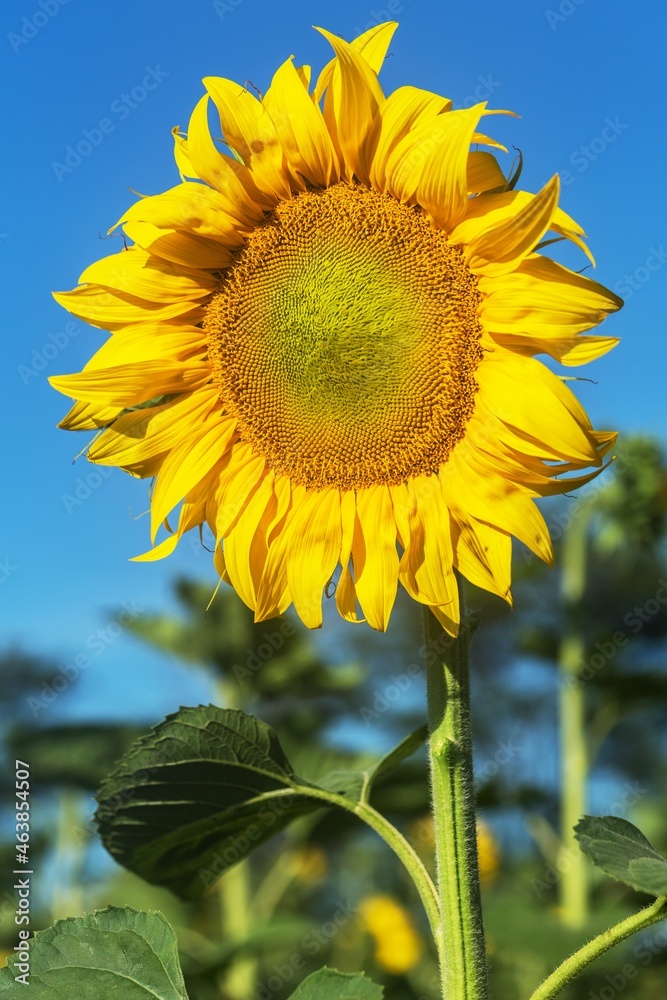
327 984
623 852
197 794
123 953
207 786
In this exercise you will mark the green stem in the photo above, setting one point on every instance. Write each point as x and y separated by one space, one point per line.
463 970
574 749
573 965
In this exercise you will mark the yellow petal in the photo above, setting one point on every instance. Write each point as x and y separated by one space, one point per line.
241 476
248 129
273 592
152 431
484 556
114 310
269 527
183 249
376 566
191 208
542 297
495 501
371 44
355 96
429 164
181 155
150 342
190 516
313 552
346 594
300 128
245 547
492 211
587 349
186 465
426 567
129 385
448 622
484 173
500 249
534 402
443 185
88 417
403 110
218 170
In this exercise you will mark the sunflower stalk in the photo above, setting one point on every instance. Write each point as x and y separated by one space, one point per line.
463 968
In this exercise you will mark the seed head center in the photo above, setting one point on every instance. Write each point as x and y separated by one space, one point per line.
345 338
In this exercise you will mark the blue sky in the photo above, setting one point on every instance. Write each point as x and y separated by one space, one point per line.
587 79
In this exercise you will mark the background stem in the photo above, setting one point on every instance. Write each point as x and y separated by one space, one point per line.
464 973
573 745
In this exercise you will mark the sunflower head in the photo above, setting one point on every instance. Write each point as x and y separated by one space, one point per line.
322 345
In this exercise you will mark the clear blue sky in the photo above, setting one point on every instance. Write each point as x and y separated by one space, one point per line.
587 77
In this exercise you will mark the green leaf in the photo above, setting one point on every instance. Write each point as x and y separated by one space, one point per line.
195 795
623 852
327 984
125 953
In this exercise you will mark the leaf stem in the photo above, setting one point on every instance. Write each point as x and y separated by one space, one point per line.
399 845
573 965
464 972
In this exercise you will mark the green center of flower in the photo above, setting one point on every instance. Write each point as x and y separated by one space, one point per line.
345 339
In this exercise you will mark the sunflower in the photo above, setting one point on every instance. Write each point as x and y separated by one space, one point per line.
322 345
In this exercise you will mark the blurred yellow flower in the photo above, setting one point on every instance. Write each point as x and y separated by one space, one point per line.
310 864
488 854
422 837
398 946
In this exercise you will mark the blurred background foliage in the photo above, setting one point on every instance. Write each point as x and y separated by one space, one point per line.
327 890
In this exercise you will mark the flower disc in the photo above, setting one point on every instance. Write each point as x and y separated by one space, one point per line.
345 339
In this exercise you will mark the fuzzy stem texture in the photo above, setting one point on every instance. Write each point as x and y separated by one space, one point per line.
464 974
